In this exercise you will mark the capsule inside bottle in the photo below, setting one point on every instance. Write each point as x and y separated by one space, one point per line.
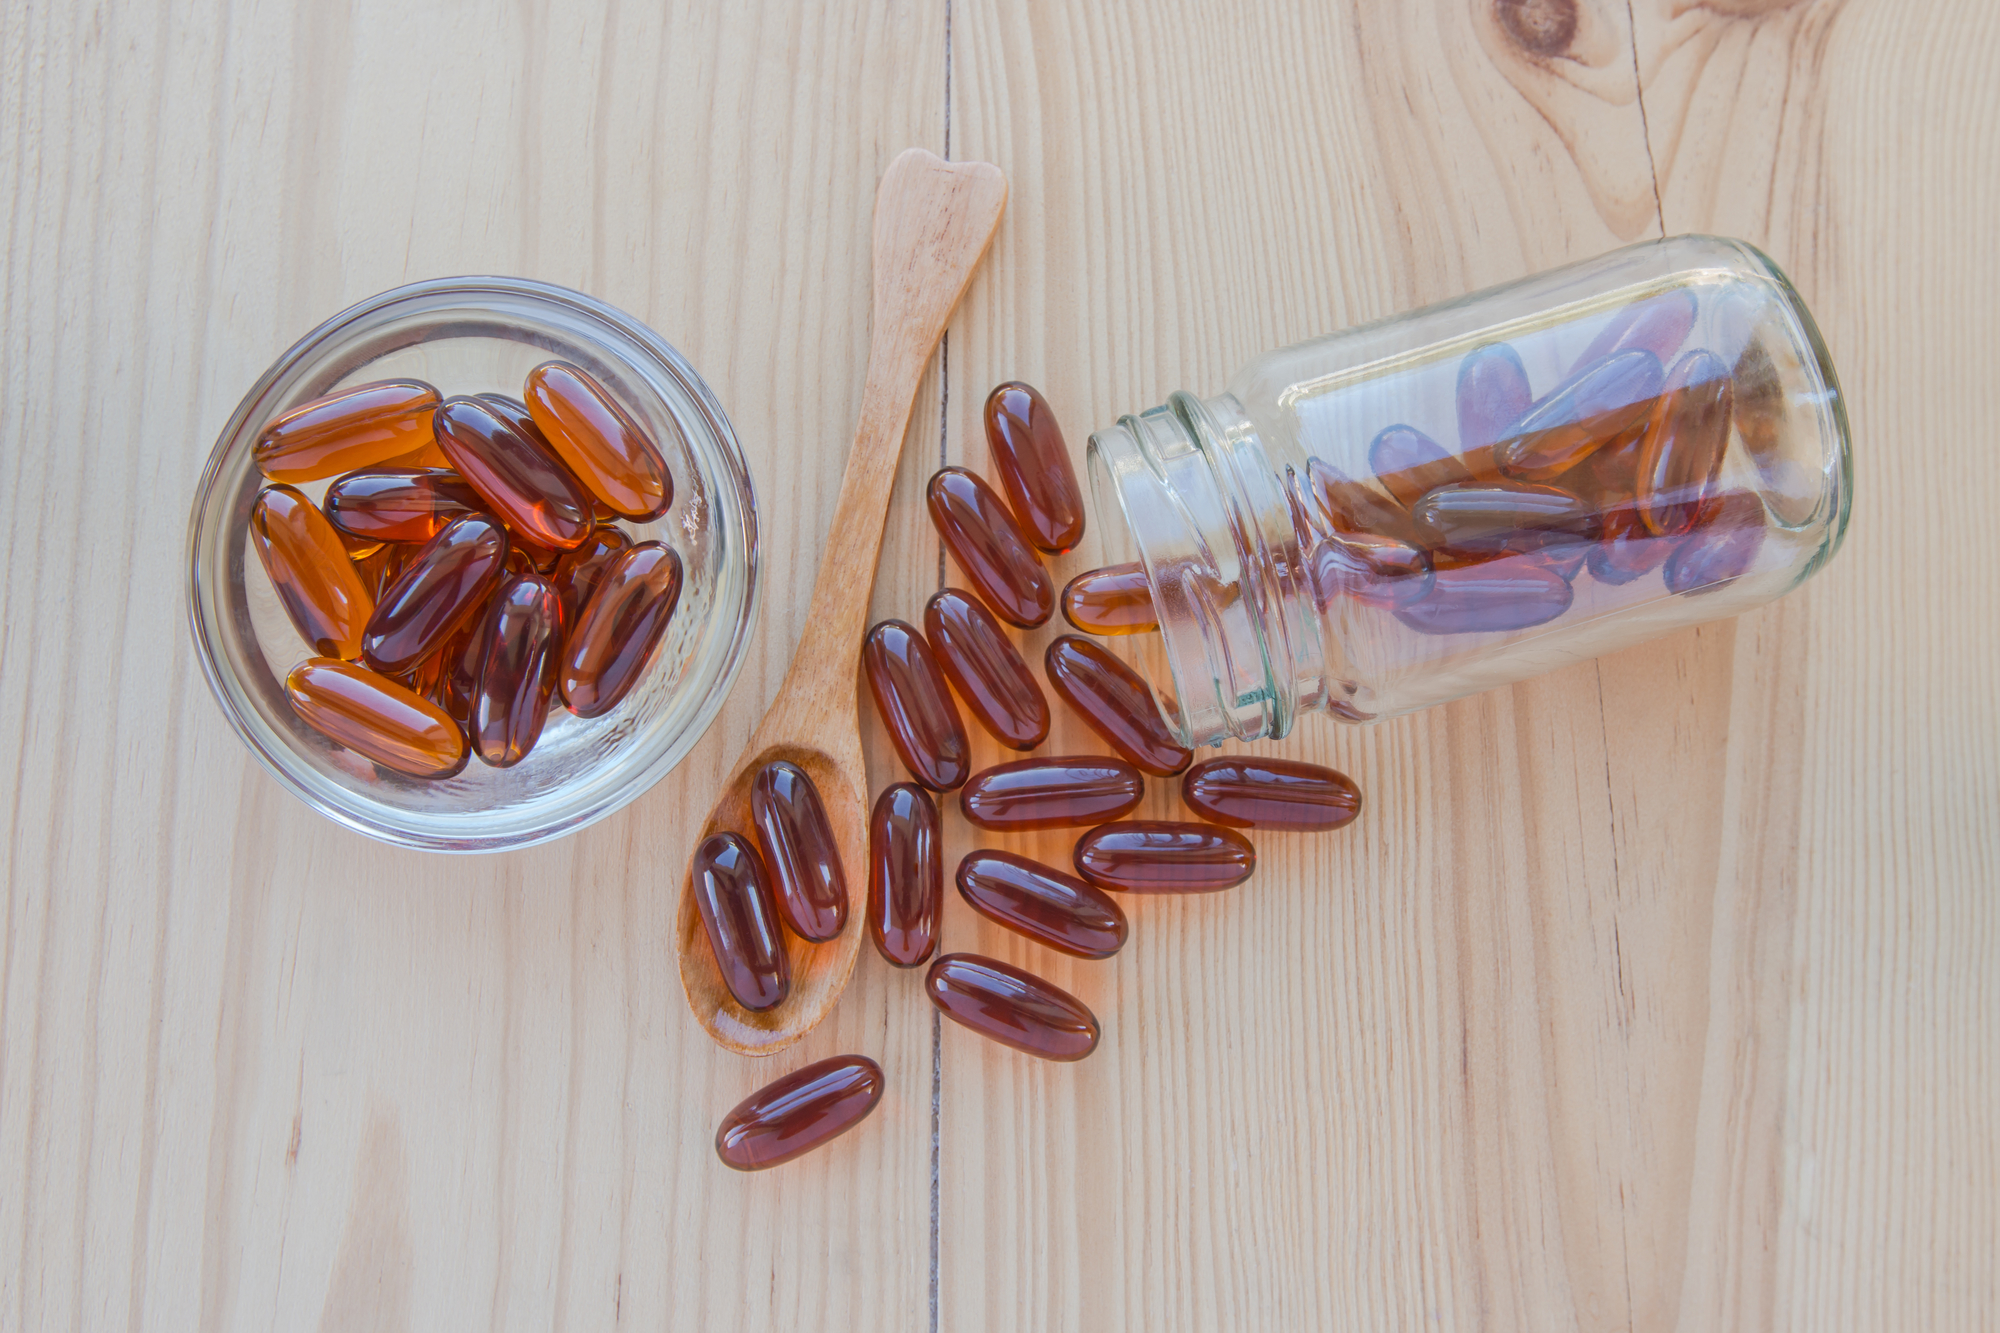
733 895
1114 600
579 570
905 875
987 670
1013 1007
399 504
805 1109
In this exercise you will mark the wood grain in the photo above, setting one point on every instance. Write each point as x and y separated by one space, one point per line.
1659 993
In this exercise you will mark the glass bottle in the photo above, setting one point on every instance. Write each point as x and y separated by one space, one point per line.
1480 491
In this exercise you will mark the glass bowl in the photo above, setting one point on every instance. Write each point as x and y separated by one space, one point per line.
480 335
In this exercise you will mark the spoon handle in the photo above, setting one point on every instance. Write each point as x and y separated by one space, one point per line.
933 222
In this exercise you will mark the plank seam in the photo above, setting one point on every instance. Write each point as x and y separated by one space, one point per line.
944 454
1645 130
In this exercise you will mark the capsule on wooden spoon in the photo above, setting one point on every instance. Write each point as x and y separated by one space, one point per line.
733 893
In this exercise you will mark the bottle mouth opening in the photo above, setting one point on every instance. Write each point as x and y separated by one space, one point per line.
1200 508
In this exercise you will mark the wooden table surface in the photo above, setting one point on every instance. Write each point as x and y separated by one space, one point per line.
1659 993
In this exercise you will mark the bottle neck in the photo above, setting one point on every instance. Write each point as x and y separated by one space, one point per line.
1240 653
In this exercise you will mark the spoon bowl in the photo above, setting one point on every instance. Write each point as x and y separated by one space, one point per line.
819 971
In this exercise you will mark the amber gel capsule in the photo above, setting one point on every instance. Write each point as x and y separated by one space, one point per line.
579 570
989 547
1380 571
1162 856
1408 463
1013 1007
1506 594
1659 324
399 504
517 672
799 1112
599 440
915 705
1248 791
1118 705
905 877
799 848
1034 466
1597 406
1493 394
1043 904
374 716
1722 546
1682 453
733 894
1348 506
517 478
1497 516
619 630
1072 792
316 583
516 414
445 583
352 428
986 669
1627 551
1116 599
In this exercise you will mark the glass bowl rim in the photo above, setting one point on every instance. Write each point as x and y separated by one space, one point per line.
734 492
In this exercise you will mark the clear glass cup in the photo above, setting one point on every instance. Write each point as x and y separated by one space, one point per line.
480 335
1480 491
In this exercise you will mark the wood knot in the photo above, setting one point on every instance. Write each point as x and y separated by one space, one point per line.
1540 27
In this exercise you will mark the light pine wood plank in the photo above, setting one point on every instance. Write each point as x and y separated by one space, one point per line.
1565 1033
1858 145
255 1072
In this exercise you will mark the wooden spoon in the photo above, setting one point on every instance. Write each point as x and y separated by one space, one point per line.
933 220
